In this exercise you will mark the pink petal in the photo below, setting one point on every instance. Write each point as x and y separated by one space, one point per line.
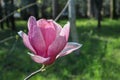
48 31
65 31
31 22
26 41
36 39
57 46
59 42
58 27
50 61
70 47
39 59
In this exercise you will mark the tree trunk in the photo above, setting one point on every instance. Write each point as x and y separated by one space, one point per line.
72 19
91 9
1 15
88 8
98 4
112 9
43 9
9 7
54 8
12 19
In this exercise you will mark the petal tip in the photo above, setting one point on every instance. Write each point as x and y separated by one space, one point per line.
77 45
32 17
31 22
20 33
80 45
70 47
68 22
30 54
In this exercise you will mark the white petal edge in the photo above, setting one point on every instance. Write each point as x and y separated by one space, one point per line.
38 59
20 33
70 47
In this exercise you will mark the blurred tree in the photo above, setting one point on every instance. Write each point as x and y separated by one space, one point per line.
105 9
81 8
1 14
31 11
54 8
9 7
98 4
113 9
43 9
118 7
72 19
94 10
24 13
91 8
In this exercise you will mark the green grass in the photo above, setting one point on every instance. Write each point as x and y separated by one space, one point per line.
99 58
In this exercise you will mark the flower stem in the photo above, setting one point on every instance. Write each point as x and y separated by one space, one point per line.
35 72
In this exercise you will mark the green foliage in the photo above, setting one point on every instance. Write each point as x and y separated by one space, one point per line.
99 58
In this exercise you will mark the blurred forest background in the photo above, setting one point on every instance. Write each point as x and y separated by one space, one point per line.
94 23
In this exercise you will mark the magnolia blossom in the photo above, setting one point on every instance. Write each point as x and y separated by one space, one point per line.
47 40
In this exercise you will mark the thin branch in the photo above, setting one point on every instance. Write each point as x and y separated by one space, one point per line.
13 46
18 10
27 6
62 11
6 39
32 74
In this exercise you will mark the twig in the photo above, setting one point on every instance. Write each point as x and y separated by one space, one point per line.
6 39
13 46
32 74
19 9
62 11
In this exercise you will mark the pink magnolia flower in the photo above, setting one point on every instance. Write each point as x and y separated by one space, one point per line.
47 40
